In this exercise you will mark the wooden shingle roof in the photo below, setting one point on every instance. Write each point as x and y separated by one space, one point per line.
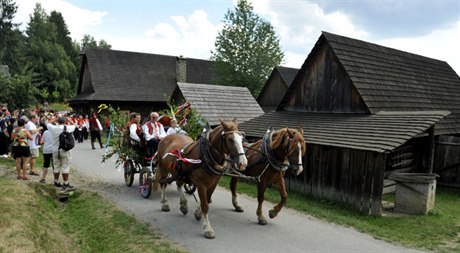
201 71
216 102
381 132
394 80
129 76
288 74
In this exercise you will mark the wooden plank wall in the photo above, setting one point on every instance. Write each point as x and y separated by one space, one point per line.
274 91
447 160
325 87
344 175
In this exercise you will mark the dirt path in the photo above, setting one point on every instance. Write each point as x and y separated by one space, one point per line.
291 231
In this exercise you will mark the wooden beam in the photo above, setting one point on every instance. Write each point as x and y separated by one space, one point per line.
431 147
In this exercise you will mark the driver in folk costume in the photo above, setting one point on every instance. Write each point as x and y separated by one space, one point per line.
135 130
153 132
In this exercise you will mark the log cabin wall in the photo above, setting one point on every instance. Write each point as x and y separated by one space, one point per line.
447 160
350 176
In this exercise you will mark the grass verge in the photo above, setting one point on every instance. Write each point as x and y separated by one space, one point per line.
33 220
437 231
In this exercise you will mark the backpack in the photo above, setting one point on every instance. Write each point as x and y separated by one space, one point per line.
66 140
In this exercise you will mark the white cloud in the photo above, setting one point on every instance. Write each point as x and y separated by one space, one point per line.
299 23
191 36
78 20
442 44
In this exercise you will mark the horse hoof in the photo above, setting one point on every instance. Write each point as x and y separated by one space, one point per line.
239 209
262 221
272 213
165 208
197 216
209 234
184 210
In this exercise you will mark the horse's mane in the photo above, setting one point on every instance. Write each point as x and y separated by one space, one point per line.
281 136
229 125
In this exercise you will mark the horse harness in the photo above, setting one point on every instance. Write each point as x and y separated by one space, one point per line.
269 157
206 157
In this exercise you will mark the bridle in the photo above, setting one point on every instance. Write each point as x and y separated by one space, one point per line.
274 161
209 152
292 165
224 139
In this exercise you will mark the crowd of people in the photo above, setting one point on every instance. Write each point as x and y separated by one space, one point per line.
24 132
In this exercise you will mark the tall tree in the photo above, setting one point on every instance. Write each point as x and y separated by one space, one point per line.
247 49
88 41
18 91
47 57
63 38
11 38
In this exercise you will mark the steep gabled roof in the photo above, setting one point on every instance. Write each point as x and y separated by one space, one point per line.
287 74
129 76
392 80
216 102
381 132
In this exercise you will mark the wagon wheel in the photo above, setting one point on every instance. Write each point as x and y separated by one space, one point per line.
190 188
128 167
145 183
146 177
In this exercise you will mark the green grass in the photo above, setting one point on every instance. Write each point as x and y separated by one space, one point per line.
101 227
33 220
437 231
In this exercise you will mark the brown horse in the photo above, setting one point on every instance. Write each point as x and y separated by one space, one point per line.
202 163
268 159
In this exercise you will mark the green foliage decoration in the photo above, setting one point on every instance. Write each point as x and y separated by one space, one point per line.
187 118
119 146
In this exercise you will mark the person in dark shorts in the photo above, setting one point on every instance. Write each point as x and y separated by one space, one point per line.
21 150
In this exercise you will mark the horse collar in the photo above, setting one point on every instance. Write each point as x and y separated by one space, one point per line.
206 156
271 156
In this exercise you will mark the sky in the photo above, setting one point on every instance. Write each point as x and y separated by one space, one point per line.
189 27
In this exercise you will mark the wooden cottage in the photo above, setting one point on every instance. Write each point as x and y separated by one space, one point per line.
134 81
275 87
215 102
366 111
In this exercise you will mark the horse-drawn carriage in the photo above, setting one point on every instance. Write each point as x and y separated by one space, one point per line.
216 153
146 167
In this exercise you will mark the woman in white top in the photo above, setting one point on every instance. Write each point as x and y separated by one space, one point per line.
47 141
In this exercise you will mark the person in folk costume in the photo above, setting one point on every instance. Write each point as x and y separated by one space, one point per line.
85 127
95 129
175 128
79 123
134 131
77 132
154 132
